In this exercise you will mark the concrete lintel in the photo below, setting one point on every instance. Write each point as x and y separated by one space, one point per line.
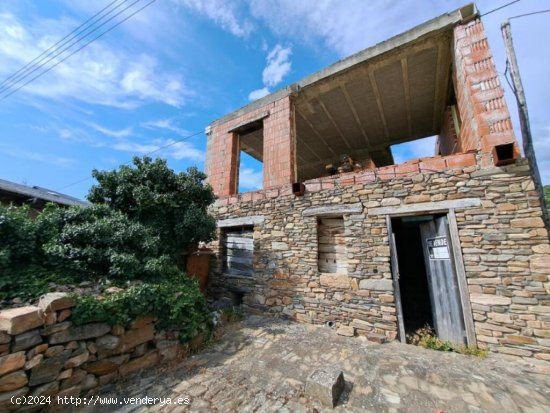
238 222
426 207
333 210
261 116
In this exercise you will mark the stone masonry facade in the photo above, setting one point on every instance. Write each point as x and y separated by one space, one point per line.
503 243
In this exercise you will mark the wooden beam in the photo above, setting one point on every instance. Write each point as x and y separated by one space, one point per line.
376 92
329 116
426 207
441 84
407 89
461 277
344 90
315 131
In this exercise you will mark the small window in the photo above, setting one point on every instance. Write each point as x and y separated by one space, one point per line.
332 245
238 251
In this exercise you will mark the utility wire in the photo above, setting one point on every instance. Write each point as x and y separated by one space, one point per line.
160 148
82 47
501 7
13 78
529 14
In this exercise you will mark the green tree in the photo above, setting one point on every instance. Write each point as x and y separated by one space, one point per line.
173 205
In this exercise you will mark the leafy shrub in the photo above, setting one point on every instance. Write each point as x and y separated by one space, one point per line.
425 337
177 302
98 242
24 267
173 205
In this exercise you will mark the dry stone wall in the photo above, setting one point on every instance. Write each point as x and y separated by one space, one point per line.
43 354
503 241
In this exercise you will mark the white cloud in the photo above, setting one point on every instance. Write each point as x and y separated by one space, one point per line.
223 13
258 93
174 150
249 179
278 65
165 124
36 156
122 133
345 29
98 74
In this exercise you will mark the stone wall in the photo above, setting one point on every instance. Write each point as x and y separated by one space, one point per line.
503 241
43 354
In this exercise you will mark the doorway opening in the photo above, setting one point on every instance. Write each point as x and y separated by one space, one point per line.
413 279
424 268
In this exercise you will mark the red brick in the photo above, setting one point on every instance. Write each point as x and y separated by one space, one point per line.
434 164
460 160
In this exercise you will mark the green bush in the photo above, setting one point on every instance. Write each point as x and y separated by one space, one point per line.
98 242
24 267
173 205
177 302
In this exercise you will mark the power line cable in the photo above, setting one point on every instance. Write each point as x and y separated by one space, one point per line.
13 77
160 148
499 8
82 47
529 14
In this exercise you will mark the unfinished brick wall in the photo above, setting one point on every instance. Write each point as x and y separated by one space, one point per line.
485 117
222 161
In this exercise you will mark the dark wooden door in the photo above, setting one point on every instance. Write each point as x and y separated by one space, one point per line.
442 281
395 275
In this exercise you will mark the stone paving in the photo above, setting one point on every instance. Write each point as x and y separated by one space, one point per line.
261 365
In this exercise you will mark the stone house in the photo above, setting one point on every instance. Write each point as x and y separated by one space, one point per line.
341 235
12 193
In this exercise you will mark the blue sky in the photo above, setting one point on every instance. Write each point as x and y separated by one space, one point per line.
179 64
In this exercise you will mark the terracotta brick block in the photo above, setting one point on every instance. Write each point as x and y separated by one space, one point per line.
406 169
386 173
434 164
365 177
460 160
314 186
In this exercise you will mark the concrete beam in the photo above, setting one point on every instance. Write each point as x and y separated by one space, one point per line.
333 210
243 221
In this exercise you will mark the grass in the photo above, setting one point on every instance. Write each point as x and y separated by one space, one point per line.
425 337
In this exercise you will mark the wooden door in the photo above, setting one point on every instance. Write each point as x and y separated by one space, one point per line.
239 251
332 246
395 275
442 280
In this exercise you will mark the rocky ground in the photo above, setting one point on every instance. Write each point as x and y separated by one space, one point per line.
261 365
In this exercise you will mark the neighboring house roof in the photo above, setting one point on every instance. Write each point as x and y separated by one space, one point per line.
36 193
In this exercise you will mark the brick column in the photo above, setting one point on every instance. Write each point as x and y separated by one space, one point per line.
483 110
279 145
222 161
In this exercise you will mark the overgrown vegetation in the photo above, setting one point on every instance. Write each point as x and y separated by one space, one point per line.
141 219
426 337
177 302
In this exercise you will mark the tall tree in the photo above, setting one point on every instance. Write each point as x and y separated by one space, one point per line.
173 205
